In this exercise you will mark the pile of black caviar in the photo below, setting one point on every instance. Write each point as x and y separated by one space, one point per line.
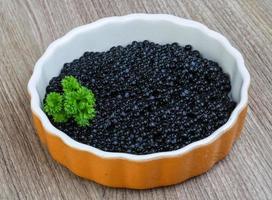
149 97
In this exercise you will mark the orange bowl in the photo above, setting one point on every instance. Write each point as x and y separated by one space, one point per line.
128 170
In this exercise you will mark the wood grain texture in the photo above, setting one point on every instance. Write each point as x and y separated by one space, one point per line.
27 27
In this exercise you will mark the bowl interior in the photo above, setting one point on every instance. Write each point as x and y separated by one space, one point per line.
102 35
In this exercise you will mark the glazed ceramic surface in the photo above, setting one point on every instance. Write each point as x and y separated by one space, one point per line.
123 169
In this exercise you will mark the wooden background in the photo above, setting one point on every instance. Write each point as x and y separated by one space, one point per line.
27 27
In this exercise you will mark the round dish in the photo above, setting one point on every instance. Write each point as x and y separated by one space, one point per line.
128 170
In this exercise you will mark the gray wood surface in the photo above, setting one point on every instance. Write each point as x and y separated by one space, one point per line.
27 27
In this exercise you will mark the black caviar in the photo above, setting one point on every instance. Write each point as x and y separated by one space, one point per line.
149 97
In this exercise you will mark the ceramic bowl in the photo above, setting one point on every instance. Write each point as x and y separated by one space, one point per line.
128 170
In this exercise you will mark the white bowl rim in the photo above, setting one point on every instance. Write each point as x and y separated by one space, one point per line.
35 99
